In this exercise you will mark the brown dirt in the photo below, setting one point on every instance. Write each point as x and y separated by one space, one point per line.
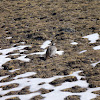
75 89
74 97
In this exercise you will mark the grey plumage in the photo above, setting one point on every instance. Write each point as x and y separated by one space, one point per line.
51 51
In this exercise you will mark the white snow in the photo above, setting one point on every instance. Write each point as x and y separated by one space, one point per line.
45 44
82 51
2 77
22 50
22 42
56 94
15 54
59 52
6 51
96 47
94 64
14 70
3 60
38 53
42 53
74 43
24 75
22 58
4 54
92 37
22 47
8 37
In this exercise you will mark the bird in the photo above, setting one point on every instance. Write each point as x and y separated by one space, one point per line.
51 50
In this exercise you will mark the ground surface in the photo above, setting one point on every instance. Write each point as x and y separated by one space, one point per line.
32 22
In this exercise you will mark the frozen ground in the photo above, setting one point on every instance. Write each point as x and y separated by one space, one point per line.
23 80
34 86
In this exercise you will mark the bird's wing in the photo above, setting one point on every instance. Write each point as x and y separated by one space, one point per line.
48 52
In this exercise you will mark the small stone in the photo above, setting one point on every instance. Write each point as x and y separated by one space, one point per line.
53 13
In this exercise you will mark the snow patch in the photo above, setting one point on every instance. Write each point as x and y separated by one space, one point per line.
3 60
22 58
8 37
2 77
92 37
96 47
56 94
74 43
82 51
94 64
59 52
14 70
45 44
4 54
38 53
24 75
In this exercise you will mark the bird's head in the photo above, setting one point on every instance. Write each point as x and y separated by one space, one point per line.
53 43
